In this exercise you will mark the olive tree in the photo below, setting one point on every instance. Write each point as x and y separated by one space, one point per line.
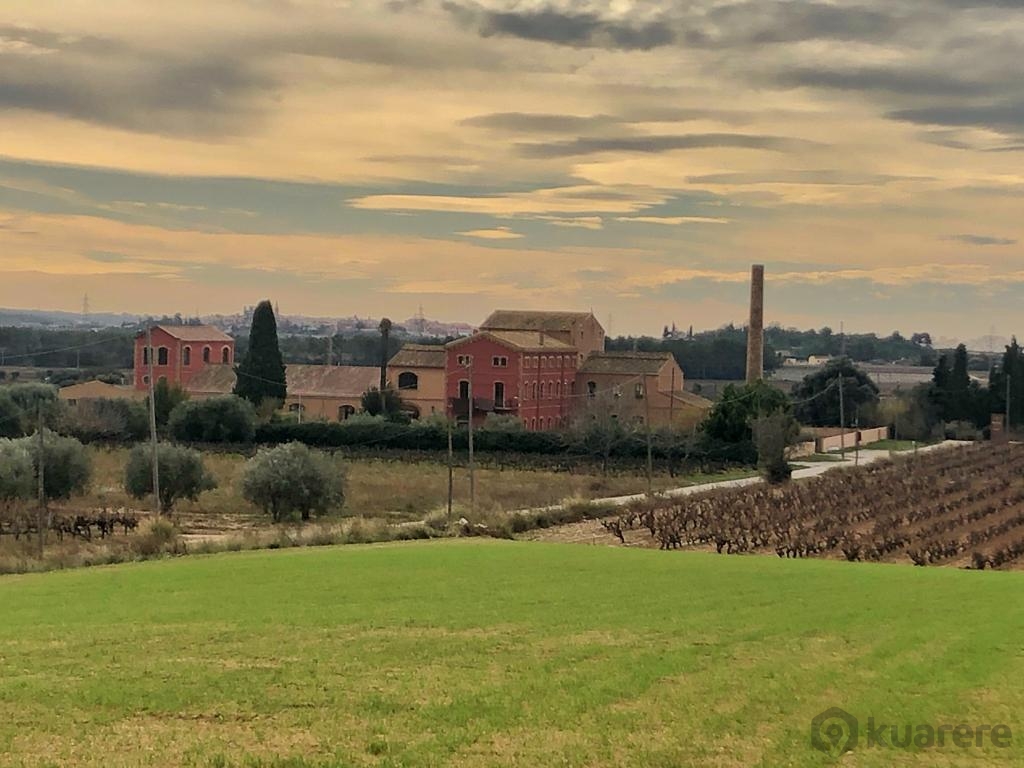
225 419
292 479
67 469
182 474
17 473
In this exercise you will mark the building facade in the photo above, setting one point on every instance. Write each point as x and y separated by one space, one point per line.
638 388
524 374
180 352
417 371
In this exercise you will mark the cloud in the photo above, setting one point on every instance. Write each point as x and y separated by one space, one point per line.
104 81
658 144
526 122
888 79
575 222
560 200
1001 116
498 233
981 239
815 177
566 28
672 220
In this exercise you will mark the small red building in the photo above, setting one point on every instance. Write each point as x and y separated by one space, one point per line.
525 374
180 352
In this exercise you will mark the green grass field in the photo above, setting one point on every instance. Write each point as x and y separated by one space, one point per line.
483 653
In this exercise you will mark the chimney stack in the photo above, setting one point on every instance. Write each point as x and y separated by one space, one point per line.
755 328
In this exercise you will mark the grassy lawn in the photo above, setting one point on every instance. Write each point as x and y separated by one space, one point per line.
894 445
470 653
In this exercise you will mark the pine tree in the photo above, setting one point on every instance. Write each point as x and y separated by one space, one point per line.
261 375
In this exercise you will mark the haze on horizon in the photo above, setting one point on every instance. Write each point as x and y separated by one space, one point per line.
632 156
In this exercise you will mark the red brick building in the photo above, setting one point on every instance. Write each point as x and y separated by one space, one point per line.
526 374
180 352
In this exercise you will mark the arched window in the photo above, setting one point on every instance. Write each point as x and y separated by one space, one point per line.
558 389
145 355
408 380
591 388
206 354
345 411
225 355
534 390
186 356
162 356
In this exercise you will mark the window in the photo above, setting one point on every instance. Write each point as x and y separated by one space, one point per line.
145 379
591 388
186 356
162 356
145 355
533 423
499 394
463 390
206 354
638 390
558 389
296 408
345 411
534 391
464 360
499 362
572 387
162 380
225 355
408 380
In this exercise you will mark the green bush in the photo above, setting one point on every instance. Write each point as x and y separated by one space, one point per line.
17 473
182 474
227 419
121 420
12 418
292 479
68 468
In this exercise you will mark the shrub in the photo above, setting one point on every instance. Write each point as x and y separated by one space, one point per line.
107 419
772 435
167 397
12 418
226 419
17 473
68 468
160 537
182 474
291 478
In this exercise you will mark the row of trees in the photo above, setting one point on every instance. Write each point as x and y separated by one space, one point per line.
285 481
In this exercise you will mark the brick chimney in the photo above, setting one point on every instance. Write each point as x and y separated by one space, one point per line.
755 328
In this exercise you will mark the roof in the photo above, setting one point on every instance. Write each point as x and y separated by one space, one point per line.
526 320
526 341
98 390
195 332
645 363
303 380
419 356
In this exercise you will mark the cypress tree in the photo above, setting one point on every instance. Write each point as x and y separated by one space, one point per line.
261 373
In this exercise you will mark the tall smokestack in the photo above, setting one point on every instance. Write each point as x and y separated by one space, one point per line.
755 328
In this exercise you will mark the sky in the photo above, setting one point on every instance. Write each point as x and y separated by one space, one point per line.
368 157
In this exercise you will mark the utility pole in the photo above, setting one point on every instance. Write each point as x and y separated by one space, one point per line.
451 472
650 451
330 351
842 418
1007 428
41 513
152 424
469 421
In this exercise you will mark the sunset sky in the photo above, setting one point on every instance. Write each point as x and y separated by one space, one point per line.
632 156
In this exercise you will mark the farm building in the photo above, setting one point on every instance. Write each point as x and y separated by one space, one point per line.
526 374
639 387
97 390
321 392
417 371
180 352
